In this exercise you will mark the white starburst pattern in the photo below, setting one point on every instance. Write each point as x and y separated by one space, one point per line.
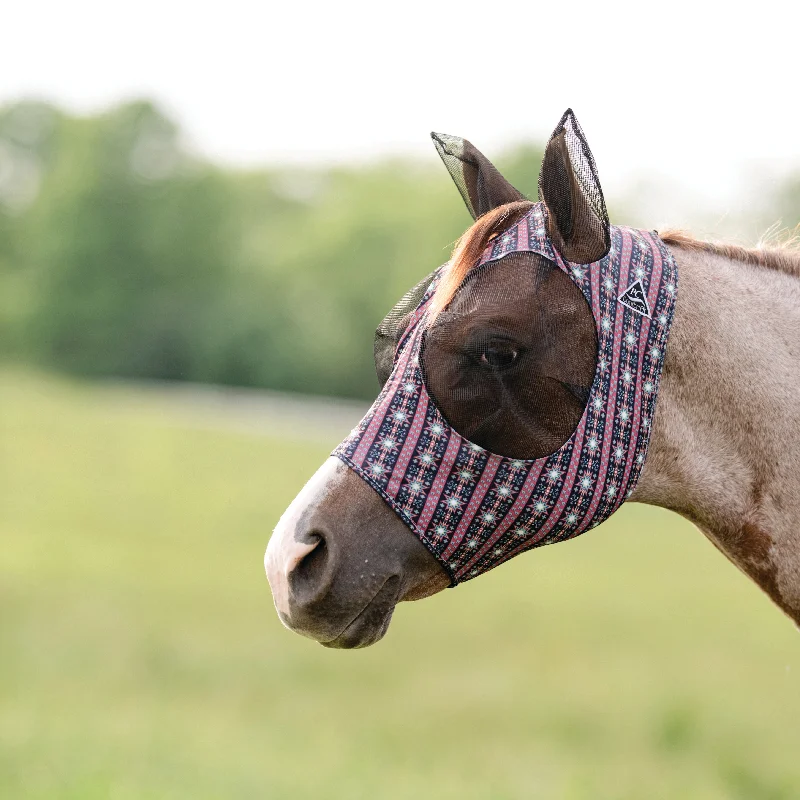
624 414
603 364
608 284
465 475
377 469
578 272
426 458
592 443
611 491
415 486
605 324
662 319
586 482
630 339
520 532
627 377
489 517
440 530
498 551
517 464
554 474
388 443
598 403
670 287
504 491
453 502
645 422
400 415
540 506
409 387
639 272
472 543
436 429
619 453
648 386
640 459
572 518
655 352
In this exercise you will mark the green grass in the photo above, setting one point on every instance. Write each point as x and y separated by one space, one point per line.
140 655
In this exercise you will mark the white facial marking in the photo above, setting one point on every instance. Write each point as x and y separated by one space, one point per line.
283 552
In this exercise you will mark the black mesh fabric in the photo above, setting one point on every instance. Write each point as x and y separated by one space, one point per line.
570 188
477 179
390 331
510 362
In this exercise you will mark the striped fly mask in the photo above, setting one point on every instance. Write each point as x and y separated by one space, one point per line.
516 410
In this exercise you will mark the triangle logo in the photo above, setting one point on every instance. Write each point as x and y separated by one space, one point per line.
635 299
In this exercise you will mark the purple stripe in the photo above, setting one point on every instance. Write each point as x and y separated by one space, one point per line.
513 513
442 474
489 471
644 335
410 444
368 437
608 434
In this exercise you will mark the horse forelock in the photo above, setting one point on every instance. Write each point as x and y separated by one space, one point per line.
470 246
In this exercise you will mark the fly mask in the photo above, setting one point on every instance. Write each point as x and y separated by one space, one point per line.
520 413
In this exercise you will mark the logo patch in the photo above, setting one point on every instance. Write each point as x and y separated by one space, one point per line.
635 299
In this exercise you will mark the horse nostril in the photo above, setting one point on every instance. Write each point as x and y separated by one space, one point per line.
307 575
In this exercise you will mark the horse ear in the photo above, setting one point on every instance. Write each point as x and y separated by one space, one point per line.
481 185
577 219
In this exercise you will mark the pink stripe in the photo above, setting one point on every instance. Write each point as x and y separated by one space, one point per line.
608 431
437 487
513 513
490 470
522 233
379 416
655 284
414 432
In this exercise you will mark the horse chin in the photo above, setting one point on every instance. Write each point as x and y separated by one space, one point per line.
372 622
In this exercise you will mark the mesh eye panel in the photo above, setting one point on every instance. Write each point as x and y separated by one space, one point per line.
511 361
391 330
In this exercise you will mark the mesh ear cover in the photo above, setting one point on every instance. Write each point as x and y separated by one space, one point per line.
476 178
393 326
511 361
570 189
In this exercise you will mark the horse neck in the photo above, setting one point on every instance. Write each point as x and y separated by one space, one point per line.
725 447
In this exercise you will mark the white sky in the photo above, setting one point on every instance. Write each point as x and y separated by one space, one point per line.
690 95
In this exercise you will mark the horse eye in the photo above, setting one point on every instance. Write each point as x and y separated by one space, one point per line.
499 357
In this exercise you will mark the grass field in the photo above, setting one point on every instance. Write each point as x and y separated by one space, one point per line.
141 657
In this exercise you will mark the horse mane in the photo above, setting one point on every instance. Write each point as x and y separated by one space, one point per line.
781 256
469 247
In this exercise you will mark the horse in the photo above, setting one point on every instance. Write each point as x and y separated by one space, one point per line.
724 440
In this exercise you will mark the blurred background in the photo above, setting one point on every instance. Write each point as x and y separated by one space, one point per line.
204 214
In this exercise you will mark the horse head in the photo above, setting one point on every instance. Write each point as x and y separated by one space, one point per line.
518 384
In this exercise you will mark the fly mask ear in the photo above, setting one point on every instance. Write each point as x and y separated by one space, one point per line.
481 185
577 219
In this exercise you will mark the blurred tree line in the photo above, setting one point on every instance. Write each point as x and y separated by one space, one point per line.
121 254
